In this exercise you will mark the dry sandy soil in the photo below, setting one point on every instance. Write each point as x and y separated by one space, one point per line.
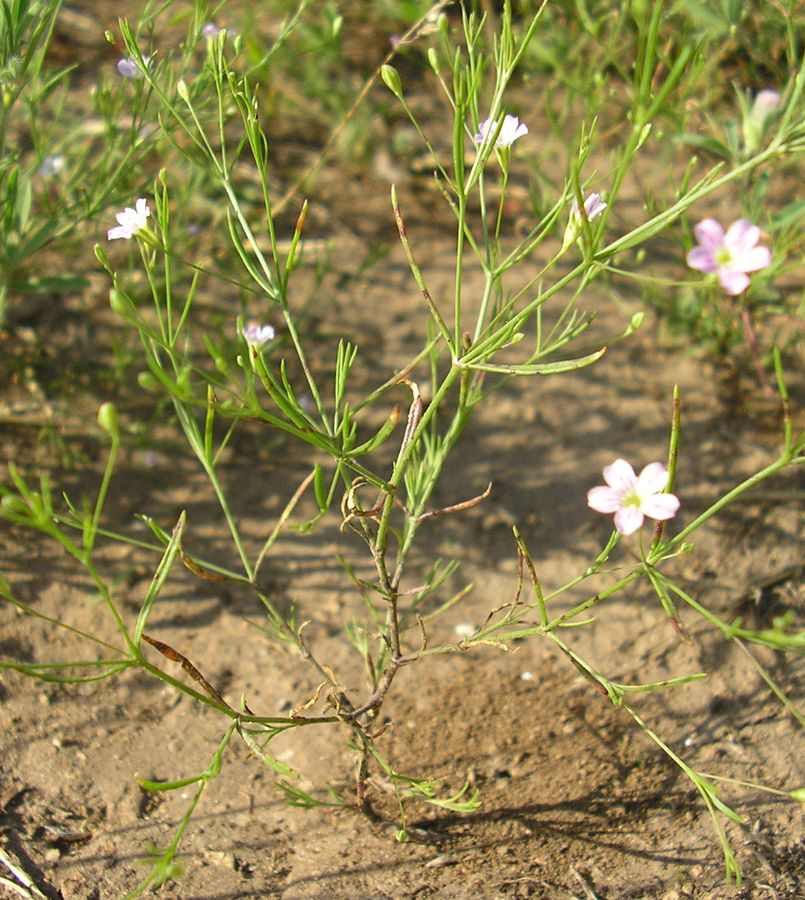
576 802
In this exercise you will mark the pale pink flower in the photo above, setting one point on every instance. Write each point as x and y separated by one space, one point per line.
128 67
633 497
593 206
510 131
730 256
757 117
766 103
256 334
210 30
130 221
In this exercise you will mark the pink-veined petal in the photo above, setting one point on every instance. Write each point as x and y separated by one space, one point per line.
755 259
652 479
709 234
660 506
620 476
603 499
734 283
741 236
702 259
628 519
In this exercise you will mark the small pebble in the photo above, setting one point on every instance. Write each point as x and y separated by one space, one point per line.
438 861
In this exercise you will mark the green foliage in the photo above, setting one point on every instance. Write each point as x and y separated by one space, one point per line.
205 118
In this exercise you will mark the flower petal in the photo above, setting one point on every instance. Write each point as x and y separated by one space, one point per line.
741 236
628 519
594 206
734 283
620 476
709 234
660 506
483 131
603 499
702 259
520 131
754 259
652 479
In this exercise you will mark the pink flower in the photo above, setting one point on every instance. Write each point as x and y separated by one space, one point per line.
730 255
593 206
510 131
633 497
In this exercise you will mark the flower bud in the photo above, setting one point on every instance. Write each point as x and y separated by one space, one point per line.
391 78
121 304
147 381
107 419
11 503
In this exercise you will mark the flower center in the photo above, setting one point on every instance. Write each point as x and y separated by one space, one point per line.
631 499
723 257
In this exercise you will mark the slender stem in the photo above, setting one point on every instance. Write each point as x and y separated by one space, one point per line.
459 274
196 441
89 541
785 460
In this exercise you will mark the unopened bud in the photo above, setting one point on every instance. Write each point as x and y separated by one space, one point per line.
121 304
107 419
391 78
147 381
13 504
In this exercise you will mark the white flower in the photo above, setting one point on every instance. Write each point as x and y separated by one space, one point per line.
51 165
633 497
210 30
510 131
256 334
130 221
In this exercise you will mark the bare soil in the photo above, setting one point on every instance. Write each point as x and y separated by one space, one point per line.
576 801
